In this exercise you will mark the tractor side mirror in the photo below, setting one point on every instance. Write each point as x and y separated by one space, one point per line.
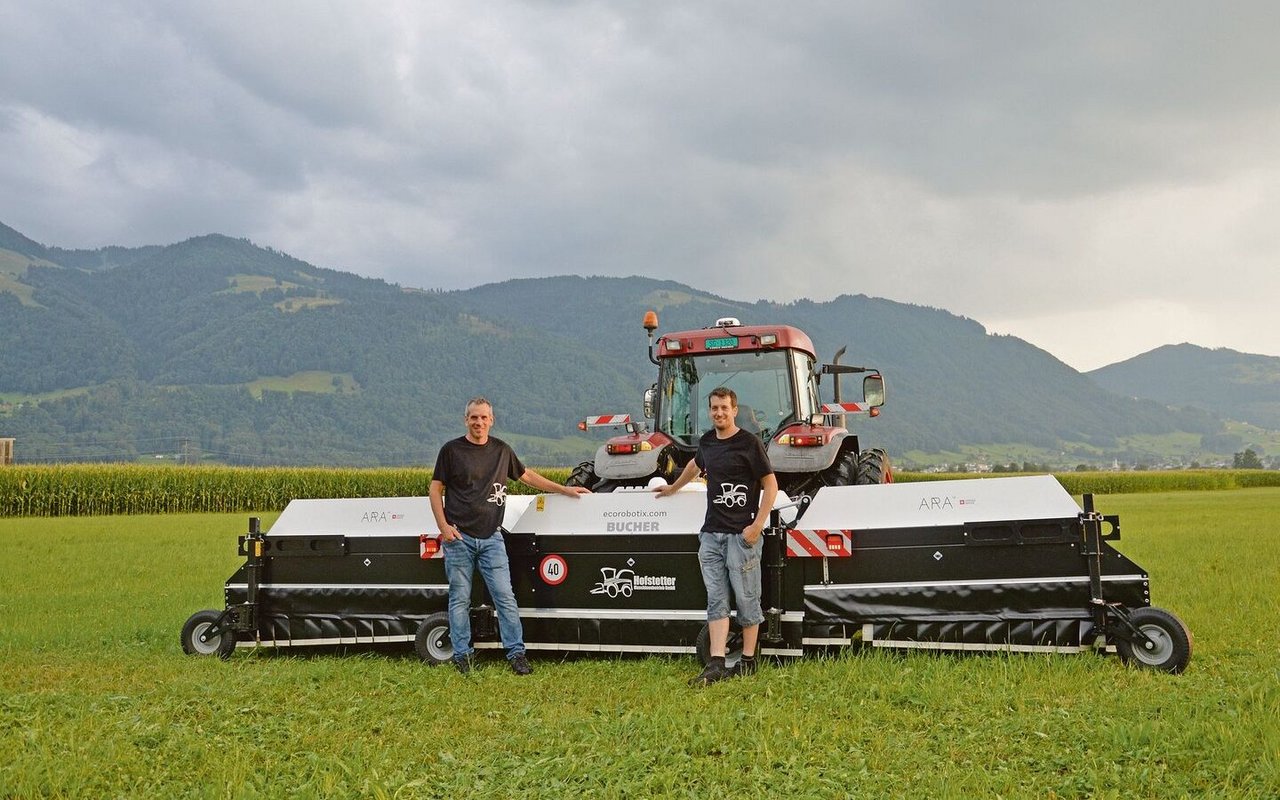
650 395
873 390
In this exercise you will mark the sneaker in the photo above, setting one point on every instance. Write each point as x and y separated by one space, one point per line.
744 668
463 665
520 665
715 671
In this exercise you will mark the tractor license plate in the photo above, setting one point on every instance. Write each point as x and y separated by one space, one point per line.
722 343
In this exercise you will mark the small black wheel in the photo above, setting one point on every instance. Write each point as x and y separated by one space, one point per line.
197 642
1169 649
873 468
432 643
732 650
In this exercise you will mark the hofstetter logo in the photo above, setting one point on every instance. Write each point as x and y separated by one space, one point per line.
624 582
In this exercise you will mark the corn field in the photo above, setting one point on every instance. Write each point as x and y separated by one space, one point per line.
102 489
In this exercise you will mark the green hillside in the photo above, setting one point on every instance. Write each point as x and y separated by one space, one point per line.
218 348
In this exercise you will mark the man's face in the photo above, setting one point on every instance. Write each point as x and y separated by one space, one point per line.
479 421
722 413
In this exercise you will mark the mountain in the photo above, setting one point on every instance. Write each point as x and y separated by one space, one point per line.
1240 386
237 352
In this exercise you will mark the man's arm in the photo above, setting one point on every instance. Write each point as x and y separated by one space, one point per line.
538 481
689 472
768 493
447 531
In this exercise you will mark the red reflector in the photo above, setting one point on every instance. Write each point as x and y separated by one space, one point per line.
806 440
621 449
430 546
835 542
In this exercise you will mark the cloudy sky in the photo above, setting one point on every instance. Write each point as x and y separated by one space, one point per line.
1096 178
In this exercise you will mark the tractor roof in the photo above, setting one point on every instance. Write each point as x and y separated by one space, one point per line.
721 338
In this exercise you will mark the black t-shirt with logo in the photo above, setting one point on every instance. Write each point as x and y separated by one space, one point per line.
735 468
475 483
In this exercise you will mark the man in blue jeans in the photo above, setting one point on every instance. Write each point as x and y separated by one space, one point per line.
468 496
741 488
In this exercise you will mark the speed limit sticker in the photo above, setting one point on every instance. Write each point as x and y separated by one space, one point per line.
553 570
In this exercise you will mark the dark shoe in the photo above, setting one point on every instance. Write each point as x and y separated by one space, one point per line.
463 664
520 665
715 671
744 668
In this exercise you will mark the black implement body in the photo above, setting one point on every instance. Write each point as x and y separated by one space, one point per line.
996 564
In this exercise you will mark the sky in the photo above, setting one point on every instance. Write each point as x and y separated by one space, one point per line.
1097 178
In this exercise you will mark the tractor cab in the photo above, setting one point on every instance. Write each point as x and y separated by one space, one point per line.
775 374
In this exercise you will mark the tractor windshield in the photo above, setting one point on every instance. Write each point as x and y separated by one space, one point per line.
764 381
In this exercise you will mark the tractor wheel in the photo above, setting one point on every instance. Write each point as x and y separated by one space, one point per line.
583 475
1169 649
432 643
732 650
873 468
842 472
196 629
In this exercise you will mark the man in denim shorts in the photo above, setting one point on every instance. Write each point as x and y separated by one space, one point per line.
741 488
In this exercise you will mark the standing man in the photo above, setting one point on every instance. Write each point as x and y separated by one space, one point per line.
472 471
741 488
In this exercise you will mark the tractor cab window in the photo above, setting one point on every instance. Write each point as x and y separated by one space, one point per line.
763 381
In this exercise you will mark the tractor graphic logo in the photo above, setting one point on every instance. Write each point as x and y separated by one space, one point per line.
732 495
614 582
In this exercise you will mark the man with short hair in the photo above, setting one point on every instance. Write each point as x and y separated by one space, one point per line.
472 473
741 488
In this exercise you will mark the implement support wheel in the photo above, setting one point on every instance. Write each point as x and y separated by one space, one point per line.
197 642
732 650
432 643
1169 646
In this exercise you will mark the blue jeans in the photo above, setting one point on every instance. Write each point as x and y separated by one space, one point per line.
728 562
461 557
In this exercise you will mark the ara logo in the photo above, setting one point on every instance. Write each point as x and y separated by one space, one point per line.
499 496
732 495
376 516
625 581
936 503
943 503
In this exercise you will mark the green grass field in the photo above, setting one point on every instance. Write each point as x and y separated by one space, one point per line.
97 699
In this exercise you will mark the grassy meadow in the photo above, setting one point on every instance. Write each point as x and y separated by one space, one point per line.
97 699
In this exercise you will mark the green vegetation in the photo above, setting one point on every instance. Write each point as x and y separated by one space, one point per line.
160 334
97 700
310 381
99 489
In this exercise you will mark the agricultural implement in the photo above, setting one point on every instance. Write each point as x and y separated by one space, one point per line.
1006 564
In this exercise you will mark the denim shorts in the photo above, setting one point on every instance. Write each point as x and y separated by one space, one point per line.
728 562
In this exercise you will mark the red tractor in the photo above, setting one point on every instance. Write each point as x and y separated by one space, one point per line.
775 373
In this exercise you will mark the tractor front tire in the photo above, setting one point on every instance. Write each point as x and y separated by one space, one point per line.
842 472
583 475
873 468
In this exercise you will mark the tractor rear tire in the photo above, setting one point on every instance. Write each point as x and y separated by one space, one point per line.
194 631
1170 648
873 468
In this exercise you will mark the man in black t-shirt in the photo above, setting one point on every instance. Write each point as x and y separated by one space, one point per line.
468 496
741 488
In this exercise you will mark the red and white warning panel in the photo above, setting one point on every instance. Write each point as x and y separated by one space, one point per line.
604 420
819 544
844 408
